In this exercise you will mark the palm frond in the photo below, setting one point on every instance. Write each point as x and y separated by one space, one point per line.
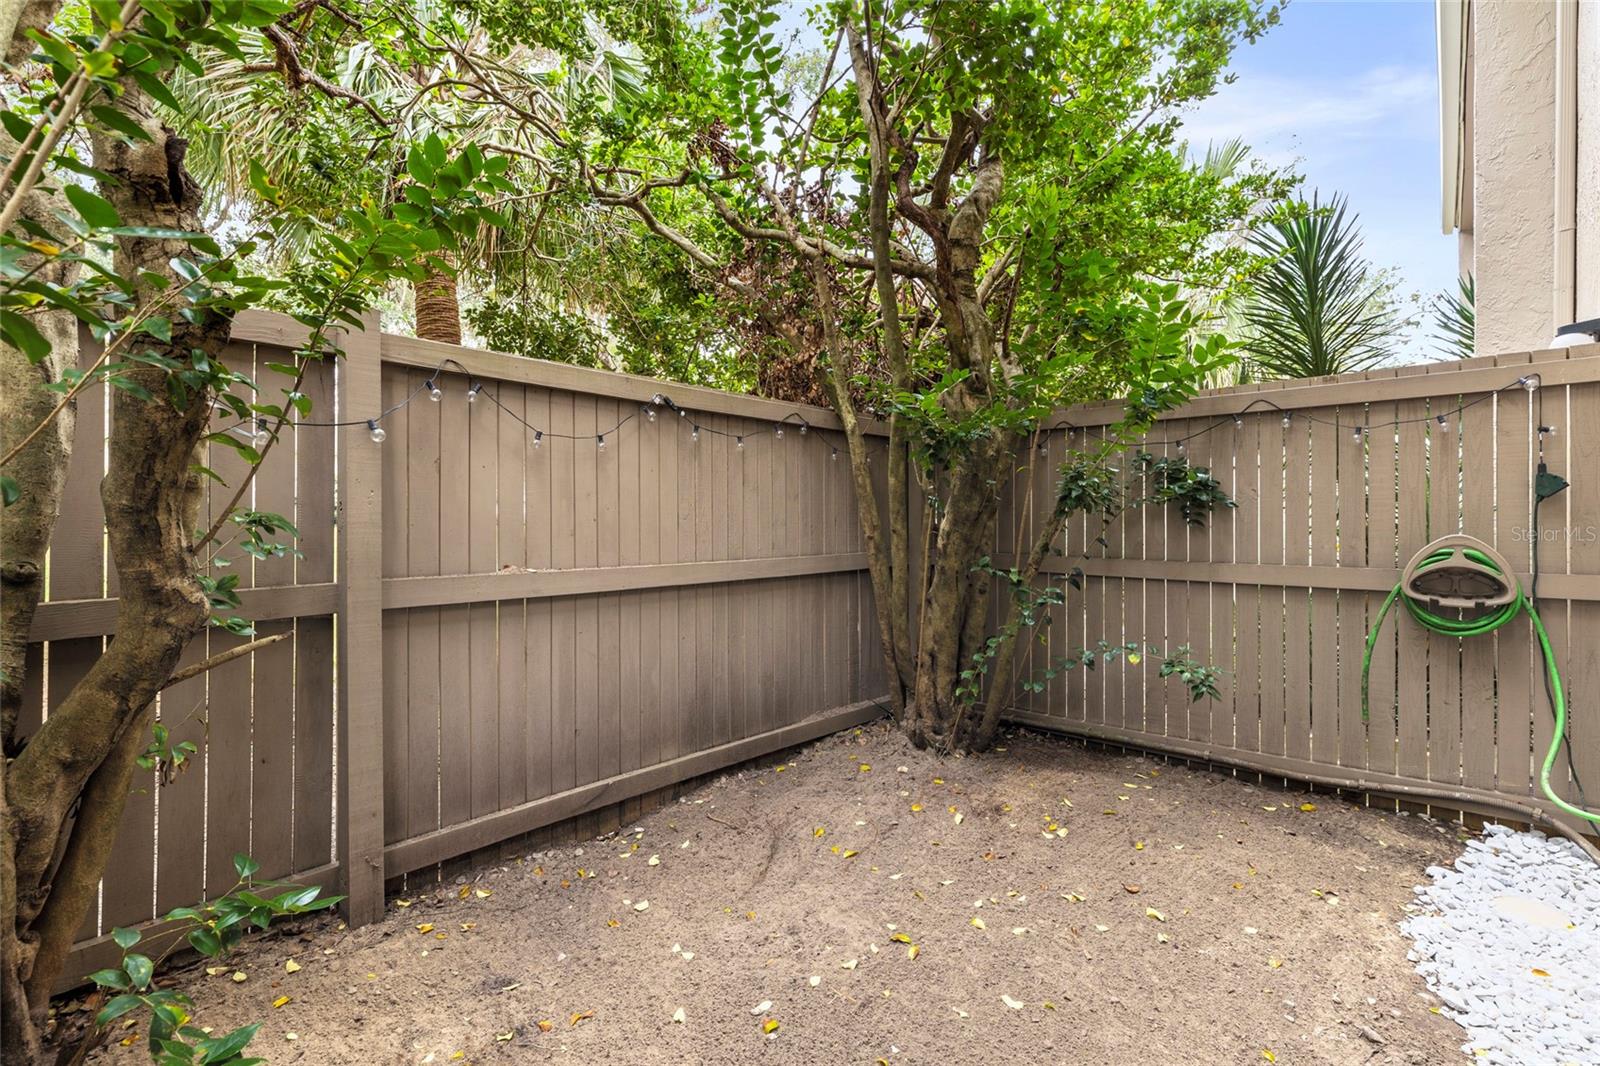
1453 319
1319 307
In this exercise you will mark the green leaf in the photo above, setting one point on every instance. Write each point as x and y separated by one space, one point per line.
24 336
116 121
116 1008
205 942
245 866
110 979
222 1048
10 491
140 969
125 938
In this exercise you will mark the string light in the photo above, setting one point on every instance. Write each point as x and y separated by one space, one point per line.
472 393
778 433
538 439
260 437
695 435
650 413
1357 434
435 393
1529 382
1238 421
1287 416
740 441
600 441
375 431
1444 424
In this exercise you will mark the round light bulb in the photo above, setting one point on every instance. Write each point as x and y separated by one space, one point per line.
650 412
695 435
472 393
1286 418
803 428
435 393
835 455
375 431
739 441
538 438
779 433
600 440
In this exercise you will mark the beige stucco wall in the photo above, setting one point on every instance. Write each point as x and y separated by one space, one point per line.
1513 137
1588 236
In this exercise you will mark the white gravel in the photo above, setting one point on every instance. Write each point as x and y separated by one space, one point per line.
1509 940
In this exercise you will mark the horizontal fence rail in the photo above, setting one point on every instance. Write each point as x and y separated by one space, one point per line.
530 627
1280 591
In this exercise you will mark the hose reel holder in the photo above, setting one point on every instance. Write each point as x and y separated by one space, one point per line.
1458 571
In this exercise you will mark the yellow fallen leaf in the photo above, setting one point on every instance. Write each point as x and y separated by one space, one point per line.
642 905
900 938
851 854
655 860
466 890
849 964
913 951
612 923
281 1001
769 1026
1539 973
977 923
483 893
239 977
545 1027
458 1055
290 966
1276 964
425 927
467 927
818 831
212 971
1138 845
1151 912
938 780
678 1015
1162 938
865 767
959 817
1012 1003
402 903
1308 806
580 1016
1269 1056
916 808
505 1036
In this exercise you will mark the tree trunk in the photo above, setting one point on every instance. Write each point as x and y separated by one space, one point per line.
438 311
151 495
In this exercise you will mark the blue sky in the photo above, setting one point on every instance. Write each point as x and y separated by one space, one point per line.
1346 91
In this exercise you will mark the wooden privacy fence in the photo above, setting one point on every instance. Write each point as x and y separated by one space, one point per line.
1281 591
496 624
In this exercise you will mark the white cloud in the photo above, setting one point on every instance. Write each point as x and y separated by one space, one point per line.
1272 113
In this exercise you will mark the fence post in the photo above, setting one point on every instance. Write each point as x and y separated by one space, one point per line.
360 668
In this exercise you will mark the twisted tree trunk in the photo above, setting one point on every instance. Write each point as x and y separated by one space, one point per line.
66 789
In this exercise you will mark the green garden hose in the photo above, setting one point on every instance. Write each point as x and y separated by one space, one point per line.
1476 627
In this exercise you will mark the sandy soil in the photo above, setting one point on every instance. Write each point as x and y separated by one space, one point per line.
892 907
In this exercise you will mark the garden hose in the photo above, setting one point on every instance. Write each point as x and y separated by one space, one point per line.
1481 625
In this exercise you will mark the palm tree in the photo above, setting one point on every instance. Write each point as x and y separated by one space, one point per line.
1453 320
1319 307
344 143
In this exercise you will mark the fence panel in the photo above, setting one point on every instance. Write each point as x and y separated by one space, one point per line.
1338 483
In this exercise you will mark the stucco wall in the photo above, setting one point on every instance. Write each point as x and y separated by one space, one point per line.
1513 161
1588 242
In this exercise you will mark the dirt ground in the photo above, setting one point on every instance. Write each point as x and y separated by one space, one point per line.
1041 904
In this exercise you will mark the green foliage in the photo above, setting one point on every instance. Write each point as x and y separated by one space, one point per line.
1174 479
212 929
1319 307
1454 320
163 757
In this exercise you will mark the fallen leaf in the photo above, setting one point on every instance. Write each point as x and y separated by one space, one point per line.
865 767
770 1026
1276 964
916 808
900 938
281 1001
1132 890
1019 930
483 893
545 1027
580 1016
977 923
1269 1056
505 1036
402 903
679 1016
1539 973
848 965
1162 938
913 951
1151 912
612 923
212 971
655 860
239 977
818 831
851 854
642 905
762 1007
425 927
1308 806
1138 845
1012 1003
960 818
813 980
960 1013
290 966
